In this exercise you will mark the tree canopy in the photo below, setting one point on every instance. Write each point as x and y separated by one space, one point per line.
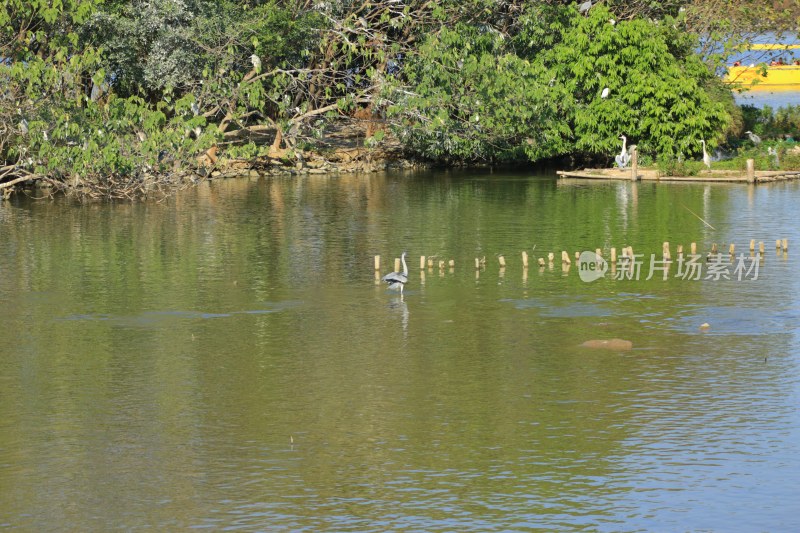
101 92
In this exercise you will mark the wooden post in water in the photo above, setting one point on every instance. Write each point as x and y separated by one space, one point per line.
477 264
693 248
524 259
452 264
430 263
761 247
679 251
565 258
714 249
422 262
731 249
634 163
441 265
665 252
613 255
752 245
550 257
778 244
377 262
751 171
577 256
785 245
502 261
541 262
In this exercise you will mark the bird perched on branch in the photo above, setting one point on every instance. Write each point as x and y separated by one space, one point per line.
256 61
584 8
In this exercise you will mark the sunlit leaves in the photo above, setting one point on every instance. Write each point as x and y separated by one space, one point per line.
657 96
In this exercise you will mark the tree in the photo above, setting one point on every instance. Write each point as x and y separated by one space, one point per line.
657 85
465 97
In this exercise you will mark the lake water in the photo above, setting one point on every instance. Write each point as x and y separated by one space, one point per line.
226 360
764 97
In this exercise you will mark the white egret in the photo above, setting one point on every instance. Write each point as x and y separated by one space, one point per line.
623 157
706 157
256 61
774 153
605 92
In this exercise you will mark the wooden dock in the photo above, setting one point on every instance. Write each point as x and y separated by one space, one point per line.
643 174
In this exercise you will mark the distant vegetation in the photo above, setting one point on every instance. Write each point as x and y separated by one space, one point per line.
114 98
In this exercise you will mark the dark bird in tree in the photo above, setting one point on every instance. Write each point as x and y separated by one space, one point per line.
397 280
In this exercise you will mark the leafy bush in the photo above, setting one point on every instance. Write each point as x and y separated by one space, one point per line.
672 166
470 93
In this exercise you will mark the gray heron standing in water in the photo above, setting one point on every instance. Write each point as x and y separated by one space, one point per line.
396 280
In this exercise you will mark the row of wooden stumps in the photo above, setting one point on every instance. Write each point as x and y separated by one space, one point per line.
626 254
430 262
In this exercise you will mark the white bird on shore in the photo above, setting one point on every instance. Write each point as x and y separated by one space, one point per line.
706 157
605 92
623 157
774 153
397 280
753 137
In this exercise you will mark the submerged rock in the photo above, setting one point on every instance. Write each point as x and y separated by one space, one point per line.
609 344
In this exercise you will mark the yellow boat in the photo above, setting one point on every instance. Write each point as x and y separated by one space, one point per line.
767 78
774 78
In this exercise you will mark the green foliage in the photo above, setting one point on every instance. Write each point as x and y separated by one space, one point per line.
472 99
101 90
772 124
672 166
472 94
657 94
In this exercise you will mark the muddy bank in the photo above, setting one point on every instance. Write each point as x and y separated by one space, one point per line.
340 160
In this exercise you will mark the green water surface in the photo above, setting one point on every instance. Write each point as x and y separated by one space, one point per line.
225 359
